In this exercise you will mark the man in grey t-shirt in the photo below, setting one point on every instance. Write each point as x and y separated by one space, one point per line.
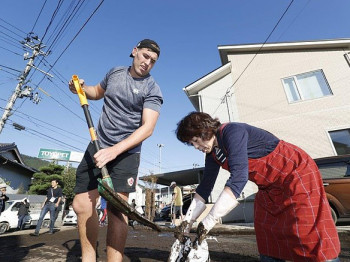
132 101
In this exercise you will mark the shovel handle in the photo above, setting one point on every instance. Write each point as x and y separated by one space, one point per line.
85 105
80 90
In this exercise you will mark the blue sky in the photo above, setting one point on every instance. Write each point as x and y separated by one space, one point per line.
188 33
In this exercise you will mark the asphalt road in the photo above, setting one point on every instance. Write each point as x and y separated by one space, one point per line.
233 244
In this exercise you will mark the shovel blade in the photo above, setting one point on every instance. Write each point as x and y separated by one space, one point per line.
122 206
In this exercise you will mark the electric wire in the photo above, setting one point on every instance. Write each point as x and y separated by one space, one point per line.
74 13
13 26
11 31
11 68
55 131
59 4
13 52
76 35
250 62
49 124
37 18
47 137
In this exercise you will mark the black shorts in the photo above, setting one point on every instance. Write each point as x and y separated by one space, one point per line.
123 170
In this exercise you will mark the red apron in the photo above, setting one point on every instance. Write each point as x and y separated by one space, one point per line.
292 217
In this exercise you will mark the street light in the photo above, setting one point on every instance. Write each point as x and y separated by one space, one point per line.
160 157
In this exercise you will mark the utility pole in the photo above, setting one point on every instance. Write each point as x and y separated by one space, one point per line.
25 91
160 157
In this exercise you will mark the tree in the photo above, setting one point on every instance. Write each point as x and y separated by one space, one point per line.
42 180
151 182
69 184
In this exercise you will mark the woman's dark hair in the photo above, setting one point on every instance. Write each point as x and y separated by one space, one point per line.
196 124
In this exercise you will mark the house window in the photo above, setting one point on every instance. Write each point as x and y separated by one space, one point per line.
306 86
341 141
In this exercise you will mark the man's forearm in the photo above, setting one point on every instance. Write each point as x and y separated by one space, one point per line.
90 92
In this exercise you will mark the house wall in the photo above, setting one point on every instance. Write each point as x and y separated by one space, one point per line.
16 176
258 98
212 99
261 100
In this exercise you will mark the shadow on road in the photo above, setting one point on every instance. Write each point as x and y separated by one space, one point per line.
14 243
73 250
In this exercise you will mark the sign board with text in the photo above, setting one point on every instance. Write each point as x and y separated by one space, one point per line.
60 155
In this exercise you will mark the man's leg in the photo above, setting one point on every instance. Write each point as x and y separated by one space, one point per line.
181 214
84 206
41 217
52 216
174 215
21 222
117 232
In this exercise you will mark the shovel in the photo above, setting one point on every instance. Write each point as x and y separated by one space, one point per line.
105 185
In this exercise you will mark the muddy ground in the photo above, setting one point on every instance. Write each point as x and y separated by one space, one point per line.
142 245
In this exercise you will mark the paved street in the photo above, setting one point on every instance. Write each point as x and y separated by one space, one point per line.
234 243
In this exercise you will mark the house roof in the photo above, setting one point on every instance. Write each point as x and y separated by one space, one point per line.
225 50
5 147
17 161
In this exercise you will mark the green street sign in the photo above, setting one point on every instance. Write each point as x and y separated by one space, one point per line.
54 154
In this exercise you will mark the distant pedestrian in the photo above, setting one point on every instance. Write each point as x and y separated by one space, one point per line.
177 203
103 207
3 197
23 211
52 200
133 204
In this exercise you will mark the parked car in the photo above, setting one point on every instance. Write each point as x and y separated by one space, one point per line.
9 218
70 218
165 213
336 180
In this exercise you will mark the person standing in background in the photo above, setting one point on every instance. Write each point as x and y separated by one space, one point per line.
177 203
52 200
3 197
103 208
23 211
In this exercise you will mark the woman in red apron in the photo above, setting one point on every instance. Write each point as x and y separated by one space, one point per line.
292 217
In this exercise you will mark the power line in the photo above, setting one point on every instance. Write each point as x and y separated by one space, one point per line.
229 88
10 51
46 137
13 26
10 68
37 18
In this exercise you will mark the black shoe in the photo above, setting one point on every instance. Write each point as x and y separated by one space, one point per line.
34 234
51 232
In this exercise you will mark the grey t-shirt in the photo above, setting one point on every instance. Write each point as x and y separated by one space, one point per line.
124 100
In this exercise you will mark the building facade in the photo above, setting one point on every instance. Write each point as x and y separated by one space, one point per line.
298 91
13 170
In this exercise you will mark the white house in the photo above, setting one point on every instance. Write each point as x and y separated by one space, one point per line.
298 91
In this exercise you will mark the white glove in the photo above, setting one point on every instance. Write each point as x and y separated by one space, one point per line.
225 203
194 211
